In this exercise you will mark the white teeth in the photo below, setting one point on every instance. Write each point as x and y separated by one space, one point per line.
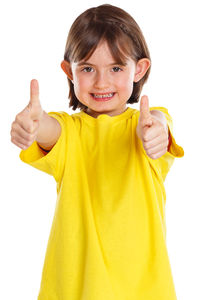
103 96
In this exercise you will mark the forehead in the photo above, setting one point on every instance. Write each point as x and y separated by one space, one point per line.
103 54
102 51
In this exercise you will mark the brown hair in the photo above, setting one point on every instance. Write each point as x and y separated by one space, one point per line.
118 29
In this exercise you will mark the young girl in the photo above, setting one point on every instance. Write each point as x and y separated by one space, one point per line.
108 236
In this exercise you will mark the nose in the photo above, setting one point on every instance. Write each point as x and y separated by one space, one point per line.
101 80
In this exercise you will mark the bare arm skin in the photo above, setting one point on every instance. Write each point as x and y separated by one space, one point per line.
49 132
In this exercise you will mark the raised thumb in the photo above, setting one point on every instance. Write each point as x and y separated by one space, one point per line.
34 107
145 116
34 92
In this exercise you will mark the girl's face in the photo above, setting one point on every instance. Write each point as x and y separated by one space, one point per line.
102 84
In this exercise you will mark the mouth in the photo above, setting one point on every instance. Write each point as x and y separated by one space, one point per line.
102 97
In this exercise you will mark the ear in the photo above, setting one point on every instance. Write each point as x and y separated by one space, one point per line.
141 68
65 65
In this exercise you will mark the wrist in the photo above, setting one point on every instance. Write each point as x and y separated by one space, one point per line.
48 132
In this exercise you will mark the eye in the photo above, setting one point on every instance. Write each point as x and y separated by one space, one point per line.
87 69
116 69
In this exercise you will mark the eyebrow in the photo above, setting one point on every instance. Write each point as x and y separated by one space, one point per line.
89 64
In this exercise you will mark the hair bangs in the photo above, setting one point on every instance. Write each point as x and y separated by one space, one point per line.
85 44
120 45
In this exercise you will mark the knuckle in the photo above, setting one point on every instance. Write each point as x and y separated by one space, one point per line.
18 118
144 145
11 132
145 138
145 134
29 128
147 145
13 124
29 140
148 152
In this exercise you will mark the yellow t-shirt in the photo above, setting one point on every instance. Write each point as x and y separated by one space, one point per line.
108 235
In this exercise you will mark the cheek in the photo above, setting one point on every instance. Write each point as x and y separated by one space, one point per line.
81 88
80 83
126 83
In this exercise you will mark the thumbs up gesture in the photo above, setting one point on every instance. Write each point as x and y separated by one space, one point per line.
152 129
26 125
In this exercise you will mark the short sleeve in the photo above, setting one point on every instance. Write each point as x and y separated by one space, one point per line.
165 162
54 161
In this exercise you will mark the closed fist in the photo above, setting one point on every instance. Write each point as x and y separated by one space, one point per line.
24 129
152 129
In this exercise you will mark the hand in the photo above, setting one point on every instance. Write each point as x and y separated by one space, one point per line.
152 131
26 125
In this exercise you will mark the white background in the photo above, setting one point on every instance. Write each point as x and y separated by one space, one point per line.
33 36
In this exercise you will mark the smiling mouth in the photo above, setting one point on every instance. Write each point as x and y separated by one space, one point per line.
103 97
